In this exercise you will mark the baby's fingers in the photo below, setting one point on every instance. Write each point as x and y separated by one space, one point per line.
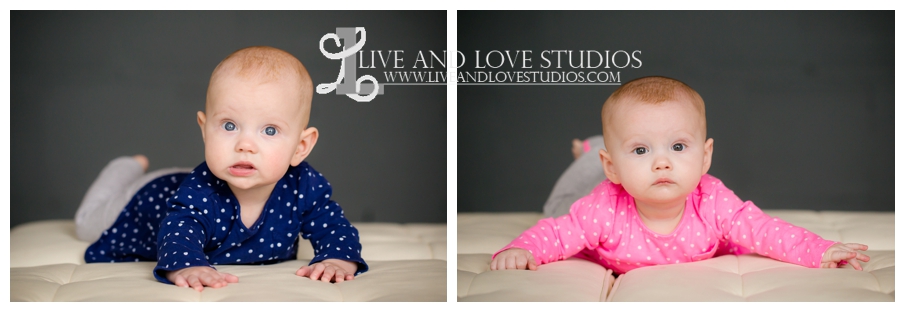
531 264
195 282
526 262
316 271
340 276
521 263
510 263
856 246
856 265
859 257
493 264
229 278
839 255
313 271
329 271
213 280
180 281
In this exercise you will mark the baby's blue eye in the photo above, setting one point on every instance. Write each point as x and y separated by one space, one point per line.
678 147
271 131
229 126
640 150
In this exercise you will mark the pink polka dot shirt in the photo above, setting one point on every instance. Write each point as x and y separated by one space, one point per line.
604 227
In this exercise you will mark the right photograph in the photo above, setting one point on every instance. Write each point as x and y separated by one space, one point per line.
643 156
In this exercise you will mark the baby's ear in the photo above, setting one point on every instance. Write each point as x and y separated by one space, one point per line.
306 144
708 155
201 120
608 168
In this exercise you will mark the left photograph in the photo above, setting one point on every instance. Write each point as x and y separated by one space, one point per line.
228 156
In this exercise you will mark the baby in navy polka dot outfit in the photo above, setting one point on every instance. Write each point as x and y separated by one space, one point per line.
248 203
659 205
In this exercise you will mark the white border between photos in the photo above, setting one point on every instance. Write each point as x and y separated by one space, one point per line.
451 160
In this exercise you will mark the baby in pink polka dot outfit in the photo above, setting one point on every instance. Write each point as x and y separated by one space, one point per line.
659 205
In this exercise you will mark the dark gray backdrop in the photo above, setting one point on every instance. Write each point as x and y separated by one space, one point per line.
800 104
86 87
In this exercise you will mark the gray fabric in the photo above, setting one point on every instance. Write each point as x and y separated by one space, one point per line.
577 181
109 194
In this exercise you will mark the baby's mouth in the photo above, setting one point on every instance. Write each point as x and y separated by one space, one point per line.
663 181
242 168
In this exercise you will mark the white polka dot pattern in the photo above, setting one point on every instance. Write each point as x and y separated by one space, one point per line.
202 227
604 227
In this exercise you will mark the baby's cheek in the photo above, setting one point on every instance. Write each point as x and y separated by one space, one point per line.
216 152
277 164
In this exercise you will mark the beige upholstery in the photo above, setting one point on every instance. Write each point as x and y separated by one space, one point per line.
407 263
726 278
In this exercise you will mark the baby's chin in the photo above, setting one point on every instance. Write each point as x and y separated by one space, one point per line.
240 183
659 195
660 200
247 184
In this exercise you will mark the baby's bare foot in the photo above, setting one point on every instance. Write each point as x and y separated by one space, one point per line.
142 160
577 148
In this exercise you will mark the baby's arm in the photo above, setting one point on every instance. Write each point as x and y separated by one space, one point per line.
337 251
180 244
750 229
777 239
554 239
336 247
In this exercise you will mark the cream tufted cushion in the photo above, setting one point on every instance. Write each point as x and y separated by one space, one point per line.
726 278
407 263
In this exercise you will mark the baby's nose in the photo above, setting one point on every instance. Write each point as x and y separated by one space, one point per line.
246 144
662 163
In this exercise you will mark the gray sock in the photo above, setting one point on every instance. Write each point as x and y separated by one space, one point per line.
578 180
110 192
106 198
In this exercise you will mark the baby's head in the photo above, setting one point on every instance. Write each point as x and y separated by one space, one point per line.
655 132
255 123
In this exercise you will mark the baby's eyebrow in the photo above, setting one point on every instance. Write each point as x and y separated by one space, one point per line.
222 111
280 123
219 116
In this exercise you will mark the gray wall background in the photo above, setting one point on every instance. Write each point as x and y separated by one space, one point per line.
86 87
800 104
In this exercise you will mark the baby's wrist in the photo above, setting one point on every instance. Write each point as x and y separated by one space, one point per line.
507 250
515 249
826 256
172 274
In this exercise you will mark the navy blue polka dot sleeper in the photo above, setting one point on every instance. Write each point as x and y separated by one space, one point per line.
184 220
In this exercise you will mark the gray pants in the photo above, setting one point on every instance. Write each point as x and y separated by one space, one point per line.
110 192
578 180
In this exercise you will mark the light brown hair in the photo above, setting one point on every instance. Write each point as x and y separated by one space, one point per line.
652 90
262 64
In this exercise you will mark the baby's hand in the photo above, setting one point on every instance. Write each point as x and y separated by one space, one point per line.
513 259
839 252
199 276
329 270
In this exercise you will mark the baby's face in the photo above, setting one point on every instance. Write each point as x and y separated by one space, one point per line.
252 130
658 151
